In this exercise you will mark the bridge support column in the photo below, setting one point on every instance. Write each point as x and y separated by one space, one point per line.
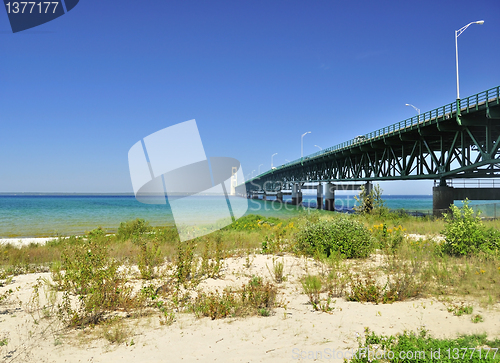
320 196
296 194
329 197
264 196
442 198
279 197
368 187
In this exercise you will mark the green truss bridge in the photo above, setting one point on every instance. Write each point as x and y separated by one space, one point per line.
458 140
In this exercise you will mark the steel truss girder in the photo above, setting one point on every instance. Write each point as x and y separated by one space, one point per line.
469 150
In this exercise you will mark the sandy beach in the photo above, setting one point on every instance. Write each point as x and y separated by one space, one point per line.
20 242
291 333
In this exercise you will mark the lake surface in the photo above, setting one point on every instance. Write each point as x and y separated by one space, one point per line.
52 215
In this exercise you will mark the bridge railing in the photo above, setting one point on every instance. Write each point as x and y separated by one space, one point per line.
444 112
447 111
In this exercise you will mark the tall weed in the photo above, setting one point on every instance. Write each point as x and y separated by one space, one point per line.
91 283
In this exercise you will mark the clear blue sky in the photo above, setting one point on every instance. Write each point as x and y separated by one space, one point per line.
78 92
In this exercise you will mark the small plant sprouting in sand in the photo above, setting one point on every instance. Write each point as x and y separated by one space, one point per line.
4 296
335 274
264 312
115 332
167 317
154 297
459 310
249 261
477 318
278 271
312 288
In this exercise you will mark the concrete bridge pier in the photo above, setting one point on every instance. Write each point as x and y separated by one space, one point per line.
442 198
279 197
329 197
444 195
264 196
320 196
296 194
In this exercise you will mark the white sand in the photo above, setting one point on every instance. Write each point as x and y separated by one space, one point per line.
282 337
20 242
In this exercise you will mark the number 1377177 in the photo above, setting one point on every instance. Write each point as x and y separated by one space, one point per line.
31 7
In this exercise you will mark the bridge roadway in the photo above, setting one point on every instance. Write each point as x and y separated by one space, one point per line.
440 144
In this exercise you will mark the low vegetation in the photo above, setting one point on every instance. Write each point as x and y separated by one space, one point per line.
102 279
342 235
421 347
254 298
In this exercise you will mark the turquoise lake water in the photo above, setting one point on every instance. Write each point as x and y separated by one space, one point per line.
49 215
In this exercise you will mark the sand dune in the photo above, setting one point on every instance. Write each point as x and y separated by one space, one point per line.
287 335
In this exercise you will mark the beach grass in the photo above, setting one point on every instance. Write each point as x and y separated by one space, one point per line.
102 279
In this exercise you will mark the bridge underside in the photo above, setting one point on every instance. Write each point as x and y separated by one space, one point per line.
440 144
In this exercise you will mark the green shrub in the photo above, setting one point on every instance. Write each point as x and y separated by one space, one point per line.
343 235
185 265
368 290
167 234
96 233
149 258
135 228
212 258
258 295
89 274
389 239
371 202
254 298
215 306
466 234
252 222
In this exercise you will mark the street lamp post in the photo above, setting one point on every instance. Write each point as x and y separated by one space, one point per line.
319 147
416 109
272 156
457 34
259 167
302 144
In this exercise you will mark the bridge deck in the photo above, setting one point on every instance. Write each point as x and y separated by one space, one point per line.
436 144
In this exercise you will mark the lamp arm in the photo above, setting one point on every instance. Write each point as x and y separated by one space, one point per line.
462 29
